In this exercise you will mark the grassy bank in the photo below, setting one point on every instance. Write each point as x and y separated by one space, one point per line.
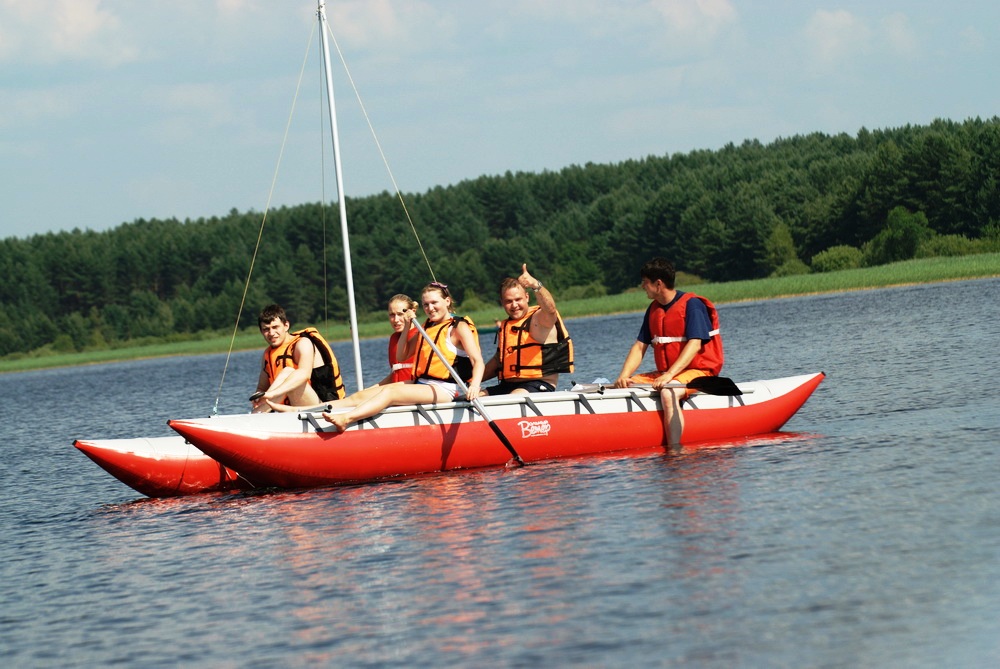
928 270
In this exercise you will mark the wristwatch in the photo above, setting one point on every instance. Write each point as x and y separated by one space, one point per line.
537 287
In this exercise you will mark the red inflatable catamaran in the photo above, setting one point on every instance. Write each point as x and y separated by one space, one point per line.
301 450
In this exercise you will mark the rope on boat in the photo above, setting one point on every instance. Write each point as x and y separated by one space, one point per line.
267 207
263 220
385 161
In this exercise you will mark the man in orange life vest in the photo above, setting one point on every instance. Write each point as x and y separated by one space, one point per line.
533 345
683 329
299 368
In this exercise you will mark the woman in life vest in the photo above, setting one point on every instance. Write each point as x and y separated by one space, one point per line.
454 336
399 371
683 329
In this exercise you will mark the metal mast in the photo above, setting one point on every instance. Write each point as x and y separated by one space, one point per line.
340 191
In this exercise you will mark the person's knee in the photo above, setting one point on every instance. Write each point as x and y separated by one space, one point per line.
304 395
672 396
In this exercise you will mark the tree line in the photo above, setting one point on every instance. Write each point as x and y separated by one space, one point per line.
806 203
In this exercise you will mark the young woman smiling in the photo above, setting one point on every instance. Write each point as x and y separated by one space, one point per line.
454 336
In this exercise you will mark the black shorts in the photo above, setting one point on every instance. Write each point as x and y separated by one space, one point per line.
531 385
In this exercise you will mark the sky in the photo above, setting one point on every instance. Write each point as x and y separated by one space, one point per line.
115 110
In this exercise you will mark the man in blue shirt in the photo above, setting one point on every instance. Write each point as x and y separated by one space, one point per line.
683 329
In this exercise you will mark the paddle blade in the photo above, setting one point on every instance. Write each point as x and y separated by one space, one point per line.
714 385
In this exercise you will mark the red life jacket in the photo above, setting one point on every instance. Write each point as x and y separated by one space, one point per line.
666 325
401 371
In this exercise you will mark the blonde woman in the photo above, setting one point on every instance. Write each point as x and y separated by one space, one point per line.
454 336
399 369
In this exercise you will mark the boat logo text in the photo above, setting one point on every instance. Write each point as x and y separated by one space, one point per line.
534 428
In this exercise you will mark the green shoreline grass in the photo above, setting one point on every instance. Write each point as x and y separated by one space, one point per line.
926 270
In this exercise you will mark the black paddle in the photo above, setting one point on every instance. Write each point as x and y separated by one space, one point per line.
465 389
710 385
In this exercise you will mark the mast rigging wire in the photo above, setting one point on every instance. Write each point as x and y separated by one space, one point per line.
260 232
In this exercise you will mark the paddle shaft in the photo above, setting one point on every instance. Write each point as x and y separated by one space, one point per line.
709 385
465 389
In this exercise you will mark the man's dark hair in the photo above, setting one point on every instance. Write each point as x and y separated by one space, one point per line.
507 284
659 268
269 313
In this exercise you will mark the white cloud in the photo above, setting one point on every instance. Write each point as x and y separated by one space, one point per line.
838 40
899 35
972 40
690 22
372 25
696 17
837 36
28 107
60 30
233 6
574 11
210 104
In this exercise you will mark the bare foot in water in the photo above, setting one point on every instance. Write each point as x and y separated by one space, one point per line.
339 420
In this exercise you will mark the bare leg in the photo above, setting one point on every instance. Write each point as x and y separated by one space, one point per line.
360 397
302 396
352 400
673 416
285 408
395 394
265 405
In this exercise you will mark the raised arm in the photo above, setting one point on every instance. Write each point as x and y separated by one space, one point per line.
407 346
547 315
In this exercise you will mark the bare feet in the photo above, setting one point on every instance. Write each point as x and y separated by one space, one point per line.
339 420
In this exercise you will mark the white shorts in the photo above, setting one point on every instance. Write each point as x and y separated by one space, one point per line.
448 386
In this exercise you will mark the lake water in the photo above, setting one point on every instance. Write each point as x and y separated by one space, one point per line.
866 535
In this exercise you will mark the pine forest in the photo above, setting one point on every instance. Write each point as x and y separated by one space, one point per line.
803 204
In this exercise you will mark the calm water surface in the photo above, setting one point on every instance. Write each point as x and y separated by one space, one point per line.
866 535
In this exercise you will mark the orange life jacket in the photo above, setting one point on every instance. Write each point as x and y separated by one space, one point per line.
667 329
429 366
521 356
325 379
